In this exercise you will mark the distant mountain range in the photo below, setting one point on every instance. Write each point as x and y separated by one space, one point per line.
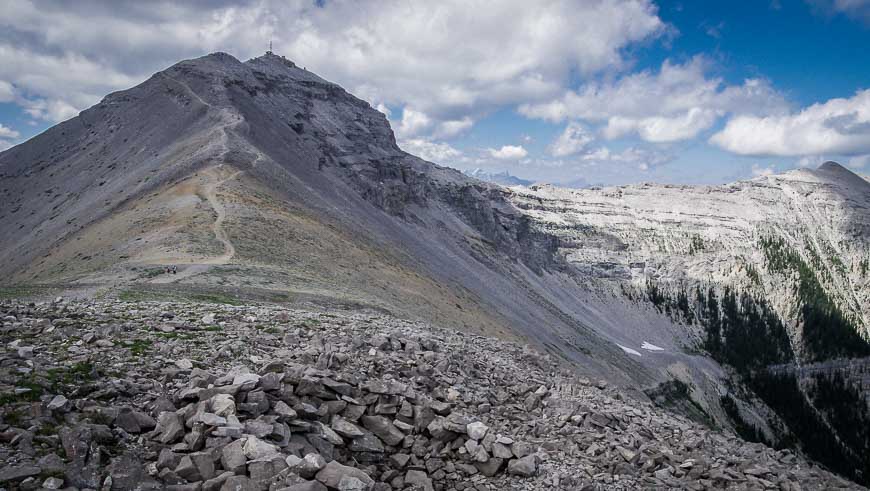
504 177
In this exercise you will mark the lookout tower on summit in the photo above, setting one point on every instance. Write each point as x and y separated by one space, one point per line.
287 62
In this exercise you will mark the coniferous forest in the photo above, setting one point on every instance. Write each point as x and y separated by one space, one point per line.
827 417
831 424
828 332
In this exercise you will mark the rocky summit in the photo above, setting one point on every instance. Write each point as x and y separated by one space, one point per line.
151 395
260 290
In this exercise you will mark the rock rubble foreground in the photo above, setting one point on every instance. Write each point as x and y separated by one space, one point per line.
182 396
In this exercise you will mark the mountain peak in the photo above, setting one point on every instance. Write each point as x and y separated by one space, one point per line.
280 66
210 61
271 57
831 166
220 56
840 174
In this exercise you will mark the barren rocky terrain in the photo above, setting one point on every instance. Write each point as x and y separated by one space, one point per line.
156 395
339 302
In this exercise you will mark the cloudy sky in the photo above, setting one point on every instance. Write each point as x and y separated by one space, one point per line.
584 91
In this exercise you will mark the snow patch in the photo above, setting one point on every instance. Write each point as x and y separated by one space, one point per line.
650 347
629 350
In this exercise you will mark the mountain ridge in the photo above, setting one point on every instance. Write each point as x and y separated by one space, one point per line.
260 176
355 170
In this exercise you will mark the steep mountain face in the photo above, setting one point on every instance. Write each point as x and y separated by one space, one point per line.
264 175
776 237
264 179
776 273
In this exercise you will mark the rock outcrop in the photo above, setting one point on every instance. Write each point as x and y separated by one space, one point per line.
690 236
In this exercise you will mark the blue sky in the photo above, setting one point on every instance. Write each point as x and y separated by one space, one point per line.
813 52
571 91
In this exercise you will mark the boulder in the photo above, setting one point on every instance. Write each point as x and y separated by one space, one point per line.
366 443
222 405
233 457
384 429
256 449
476 430
264 471
58 403
332 474
170 426
13 473
351 483
491 467
198 466
525 467
305 486
346 428
284 412
239 483
306 467
419 479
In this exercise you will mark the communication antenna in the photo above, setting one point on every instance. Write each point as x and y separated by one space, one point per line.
270 48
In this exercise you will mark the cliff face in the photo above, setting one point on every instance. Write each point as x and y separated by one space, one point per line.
773 272
690 236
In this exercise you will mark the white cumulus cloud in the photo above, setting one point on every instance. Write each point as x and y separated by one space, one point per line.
663 129
438 152
857 9
859 162
508 152
448 129
677 103
6 132
642 159
7 91
758 170
413 123
835 127
573 139
451 60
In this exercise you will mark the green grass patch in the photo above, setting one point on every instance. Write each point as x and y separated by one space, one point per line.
83 371
152 272
32 395
101 418
13 417
137 347
279 297
136 296
47 429
52 473
218 298
176 335
156 296
15 292
676 396
268 329
54 382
